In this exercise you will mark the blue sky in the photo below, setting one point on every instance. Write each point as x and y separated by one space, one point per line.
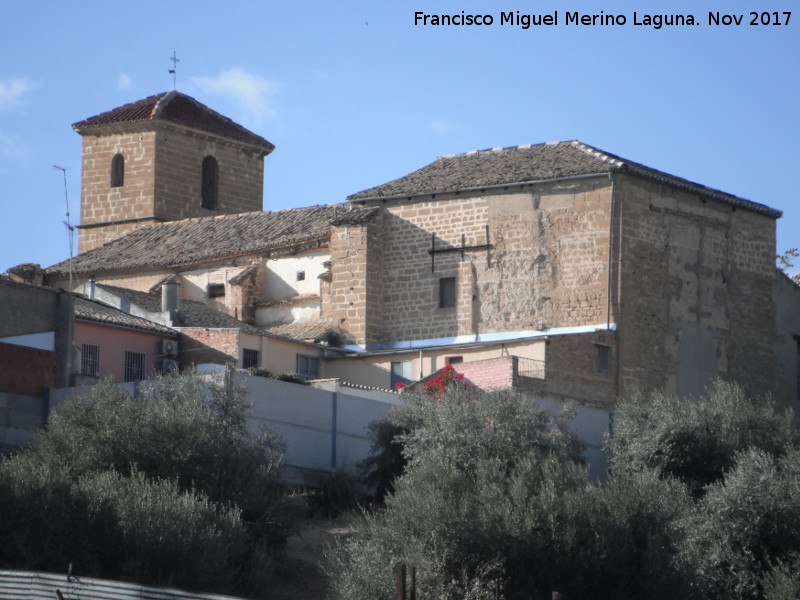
353 94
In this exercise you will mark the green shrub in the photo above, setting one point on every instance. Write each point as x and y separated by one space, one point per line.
697 439
181 452
745 525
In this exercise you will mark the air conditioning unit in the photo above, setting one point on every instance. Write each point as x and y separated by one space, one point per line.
167 348
166 366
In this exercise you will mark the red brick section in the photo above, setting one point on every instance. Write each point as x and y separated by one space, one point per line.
217 346
26 371
490 374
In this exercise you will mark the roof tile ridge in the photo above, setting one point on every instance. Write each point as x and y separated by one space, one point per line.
607 157
162 102
497 149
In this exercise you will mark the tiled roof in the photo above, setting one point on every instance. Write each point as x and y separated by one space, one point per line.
176 108
290 301
307 330
90 310
498 167
193 313
320 331
190 241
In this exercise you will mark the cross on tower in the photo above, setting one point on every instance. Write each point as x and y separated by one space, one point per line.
175 60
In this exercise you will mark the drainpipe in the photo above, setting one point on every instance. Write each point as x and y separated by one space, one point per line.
610 253
334 425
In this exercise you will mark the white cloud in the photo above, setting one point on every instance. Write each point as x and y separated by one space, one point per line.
13 92
253 93
13 148
439 126
124 82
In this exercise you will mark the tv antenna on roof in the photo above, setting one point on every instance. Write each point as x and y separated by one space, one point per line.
68 223
174 70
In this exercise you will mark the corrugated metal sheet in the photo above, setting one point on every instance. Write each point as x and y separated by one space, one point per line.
24 585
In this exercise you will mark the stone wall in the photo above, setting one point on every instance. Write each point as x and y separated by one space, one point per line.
356 299
162 180
100 203
178 176
693 290
532 259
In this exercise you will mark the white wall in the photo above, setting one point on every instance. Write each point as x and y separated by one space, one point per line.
304 417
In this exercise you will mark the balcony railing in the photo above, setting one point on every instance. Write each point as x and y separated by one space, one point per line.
529 367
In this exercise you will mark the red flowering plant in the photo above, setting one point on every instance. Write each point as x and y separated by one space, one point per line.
446 377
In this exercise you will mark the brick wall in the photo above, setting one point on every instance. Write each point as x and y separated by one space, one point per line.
484 375
26 371
199 346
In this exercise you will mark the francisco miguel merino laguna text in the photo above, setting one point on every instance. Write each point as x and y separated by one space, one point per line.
525 21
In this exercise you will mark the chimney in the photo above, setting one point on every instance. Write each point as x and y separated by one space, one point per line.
170 296
92 280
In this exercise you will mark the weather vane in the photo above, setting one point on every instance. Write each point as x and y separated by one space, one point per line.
174 70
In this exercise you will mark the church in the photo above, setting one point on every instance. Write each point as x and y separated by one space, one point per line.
557 268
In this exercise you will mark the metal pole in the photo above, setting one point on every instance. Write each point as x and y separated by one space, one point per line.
400 582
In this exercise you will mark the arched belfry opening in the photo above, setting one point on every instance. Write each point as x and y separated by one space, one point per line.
117 171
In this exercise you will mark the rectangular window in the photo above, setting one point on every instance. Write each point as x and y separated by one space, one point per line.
216 290
134 366
453 360
307 366
249 358
447 292
90 360
603 354
401 372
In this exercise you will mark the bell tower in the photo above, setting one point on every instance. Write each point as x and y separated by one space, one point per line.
164 158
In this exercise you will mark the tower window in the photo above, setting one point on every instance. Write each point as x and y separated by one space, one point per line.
209 183
118 171
447 292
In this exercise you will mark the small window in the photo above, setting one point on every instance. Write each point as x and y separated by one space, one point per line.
134 366
447 292
209 183
90 360
401 372
301 276
249 358
216 290
307 366
118 171
603 353
453 360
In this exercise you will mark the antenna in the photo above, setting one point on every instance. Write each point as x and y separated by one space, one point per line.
68 223
174 70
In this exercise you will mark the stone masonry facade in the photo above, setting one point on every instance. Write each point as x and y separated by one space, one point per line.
534 260
162 179
676 274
